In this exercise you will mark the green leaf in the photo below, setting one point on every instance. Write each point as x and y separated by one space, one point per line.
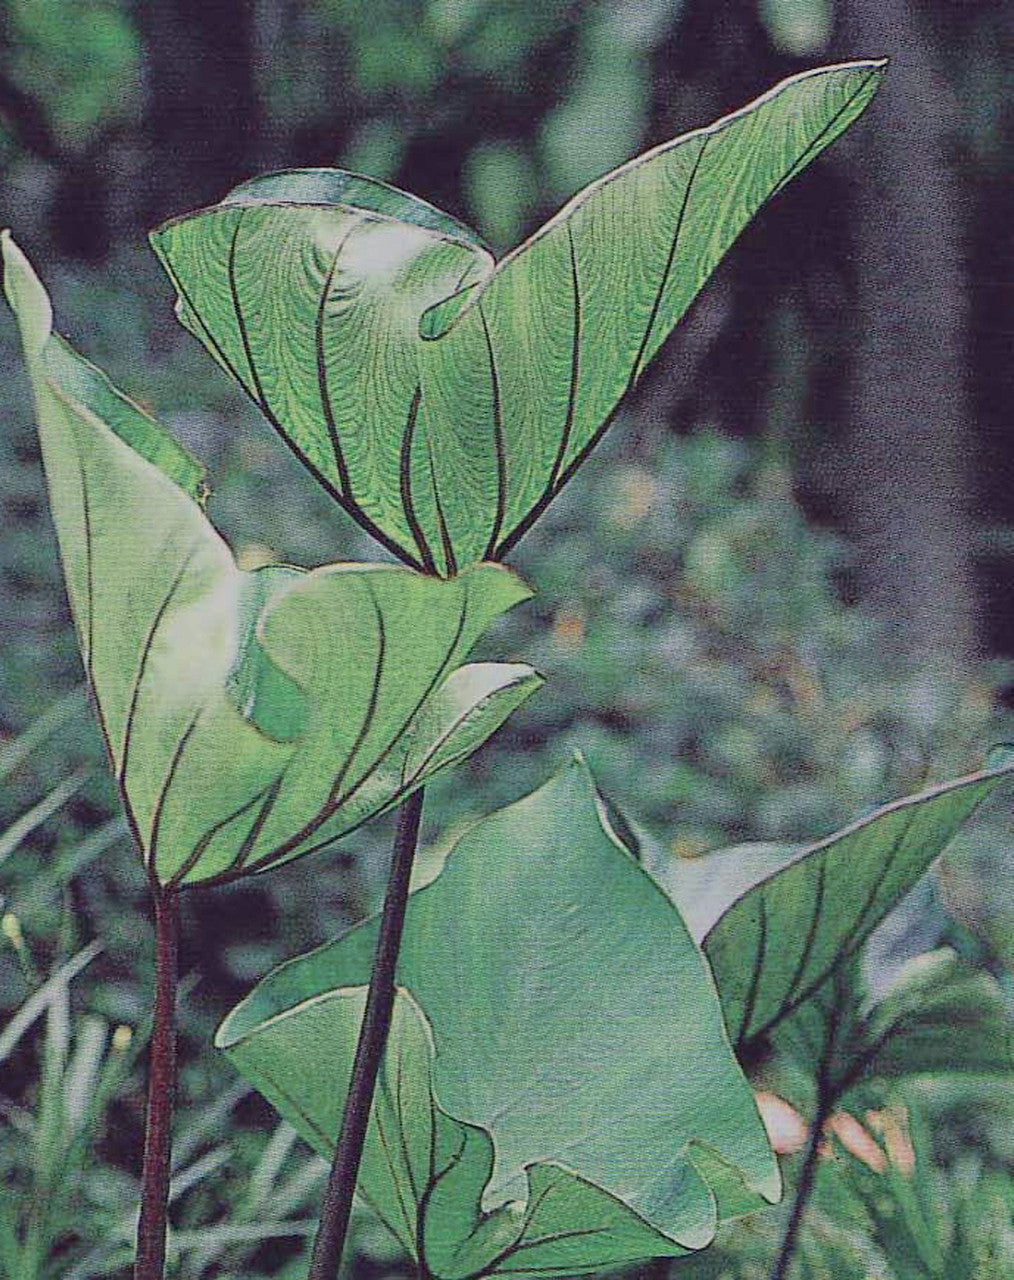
413 1150
444 399
941 1016
331 694
308 288
584 1061
779 942
60 374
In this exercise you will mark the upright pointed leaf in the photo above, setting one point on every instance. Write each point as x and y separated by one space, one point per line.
443 399
777 944
587 1059
249 717
568 322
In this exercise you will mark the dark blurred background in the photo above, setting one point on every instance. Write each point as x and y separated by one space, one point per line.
781 591
865 321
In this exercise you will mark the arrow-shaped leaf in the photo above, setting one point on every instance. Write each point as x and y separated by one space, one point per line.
593 1090
777 944
444 399
249 717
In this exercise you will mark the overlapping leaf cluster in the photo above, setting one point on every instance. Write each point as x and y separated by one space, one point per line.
561 1091
534 995
445 399
330 694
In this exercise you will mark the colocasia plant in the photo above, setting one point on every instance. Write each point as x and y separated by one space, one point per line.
533 1064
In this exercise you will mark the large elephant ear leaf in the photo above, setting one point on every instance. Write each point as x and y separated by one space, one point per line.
443 400
776 946
535 362
193 662
308 287
584 1061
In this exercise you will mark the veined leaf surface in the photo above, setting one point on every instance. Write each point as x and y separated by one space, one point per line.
584 1062
249 717
445 399
778 943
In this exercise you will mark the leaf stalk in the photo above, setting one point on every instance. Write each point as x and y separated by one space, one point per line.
152 1224
336 1207
829 1090
804 1189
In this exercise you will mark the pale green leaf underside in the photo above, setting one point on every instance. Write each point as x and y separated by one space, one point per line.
589 1053
249 718
778 943
445 399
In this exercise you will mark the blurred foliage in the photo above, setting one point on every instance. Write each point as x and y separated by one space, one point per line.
86 55
696 628
698 652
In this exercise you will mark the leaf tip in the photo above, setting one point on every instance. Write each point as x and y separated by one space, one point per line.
770 1184
878 68
875 69
26 295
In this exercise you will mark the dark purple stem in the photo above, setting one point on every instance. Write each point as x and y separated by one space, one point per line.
149 1263
337 1204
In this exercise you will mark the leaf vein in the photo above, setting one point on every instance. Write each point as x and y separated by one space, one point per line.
498 441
